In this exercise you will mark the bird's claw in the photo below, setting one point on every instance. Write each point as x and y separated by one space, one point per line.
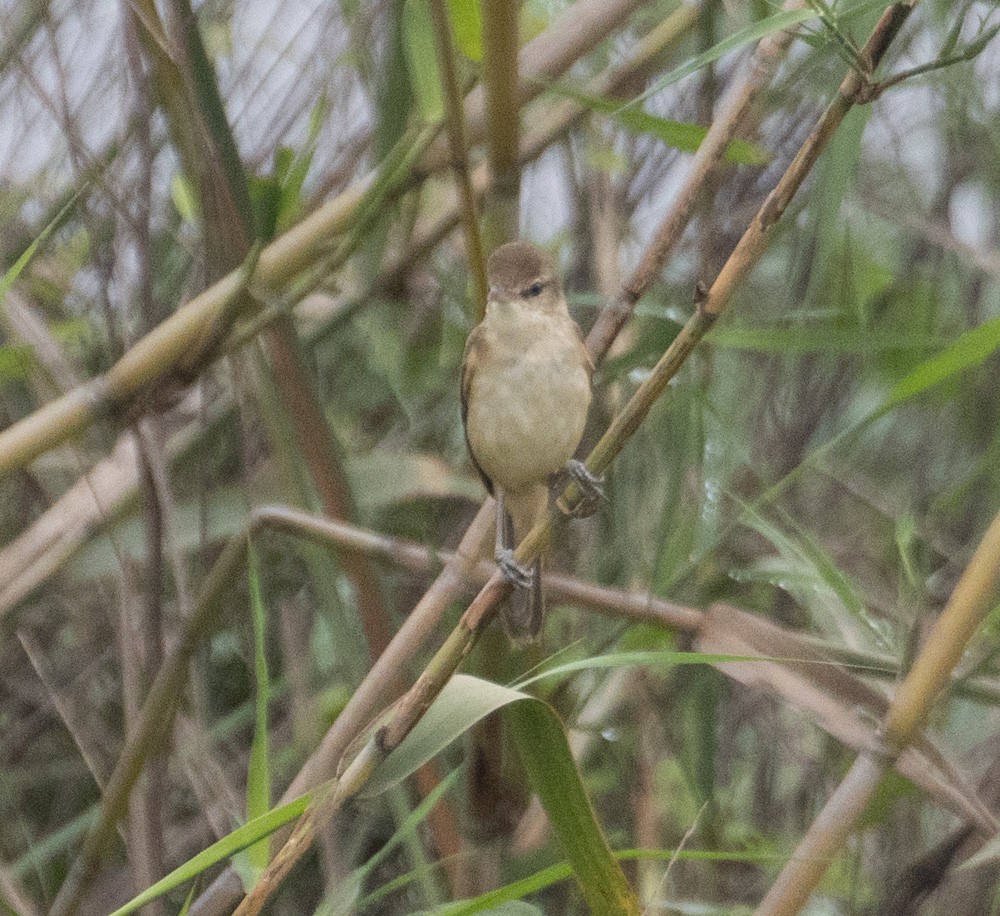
519 576
591 489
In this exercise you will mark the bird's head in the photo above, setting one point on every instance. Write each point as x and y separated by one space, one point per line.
520 273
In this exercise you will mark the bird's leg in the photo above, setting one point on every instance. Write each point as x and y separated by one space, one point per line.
591 489
512 571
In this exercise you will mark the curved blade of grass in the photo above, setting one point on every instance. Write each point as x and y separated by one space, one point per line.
235 842
542 743
17 268
553 874
754 32
258 775
544 750
677 134
745 36
638 660
818 340
466 699
969 349
343 899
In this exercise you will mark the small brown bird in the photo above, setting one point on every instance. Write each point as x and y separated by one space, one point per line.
525 396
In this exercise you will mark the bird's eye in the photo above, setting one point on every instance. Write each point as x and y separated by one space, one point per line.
534 290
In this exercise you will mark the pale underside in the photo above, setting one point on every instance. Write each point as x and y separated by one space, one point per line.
528 403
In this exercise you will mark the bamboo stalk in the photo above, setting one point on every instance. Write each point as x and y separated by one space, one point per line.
573 32
455 119
968 606
503 120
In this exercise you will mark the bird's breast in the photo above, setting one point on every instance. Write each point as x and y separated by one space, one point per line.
529 406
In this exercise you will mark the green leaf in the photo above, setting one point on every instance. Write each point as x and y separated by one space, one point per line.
184 198
265 201
188 900
820 339
492 900
467 27
634 660
748 35
544 750
810 575
677 134
463 702
258 775
421 58
293 171
344 898
17 268
228 846
970 349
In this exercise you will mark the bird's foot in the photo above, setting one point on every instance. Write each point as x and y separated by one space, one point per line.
591 489
519 576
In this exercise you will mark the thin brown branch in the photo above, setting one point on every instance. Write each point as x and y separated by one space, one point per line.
733 111
415 557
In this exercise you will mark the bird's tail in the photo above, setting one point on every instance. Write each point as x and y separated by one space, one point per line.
525 610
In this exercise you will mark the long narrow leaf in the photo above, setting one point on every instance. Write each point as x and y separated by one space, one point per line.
553 874
544 750
745 36
17 268
970 349
259 774
678 134
222 849
463 702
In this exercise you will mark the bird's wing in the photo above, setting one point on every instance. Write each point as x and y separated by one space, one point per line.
470 362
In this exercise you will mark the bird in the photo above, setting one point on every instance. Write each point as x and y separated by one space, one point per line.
525 394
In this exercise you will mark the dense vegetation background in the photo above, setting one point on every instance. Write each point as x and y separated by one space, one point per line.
811 487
